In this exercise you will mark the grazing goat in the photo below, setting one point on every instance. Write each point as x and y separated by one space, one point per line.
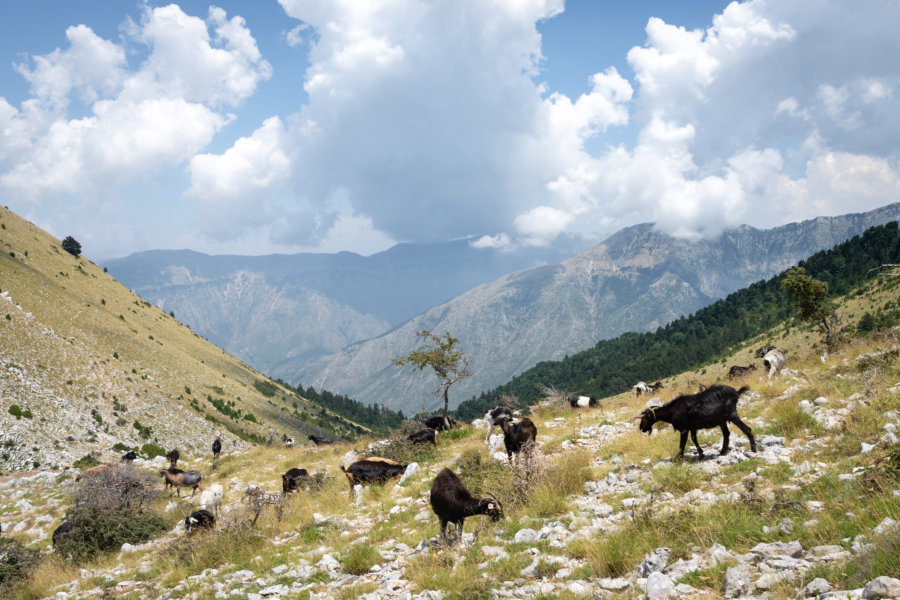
179 479
129 456
738 371
439 423
774 362
577 401
518 437
289 442
318 441
452 503
211 498
423 437
494 416
713 407
60 532
199 519
293 479
216 448
372 469
91 472
173 457
641 388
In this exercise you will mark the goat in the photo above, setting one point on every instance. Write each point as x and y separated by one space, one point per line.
199 519
773 362
713 407
494 416
372 469
216 448
211 497
318 441
439 423
293 479
518 437
92 471
655 387
129 456
173 457
452 503
424 436
289 442
640 388
178 479
576 401
738 371
60 532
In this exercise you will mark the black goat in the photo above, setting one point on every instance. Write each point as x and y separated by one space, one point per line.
576 401
318 441
216 448
423 437
738 371
375 469
199 519
518 437
293 479
173 457
452 503
494 416
713 407
129 456
439 423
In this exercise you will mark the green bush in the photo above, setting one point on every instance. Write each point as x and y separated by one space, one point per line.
96 529
151 451
266 388
16 561
359 558
16 411
86 462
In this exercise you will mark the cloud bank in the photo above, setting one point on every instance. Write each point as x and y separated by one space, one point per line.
424 121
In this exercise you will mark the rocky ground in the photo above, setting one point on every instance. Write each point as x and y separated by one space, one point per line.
632 480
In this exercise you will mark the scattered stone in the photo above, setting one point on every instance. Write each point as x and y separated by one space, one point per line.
737 581
526 535
816 586
654 562
882 587
659 586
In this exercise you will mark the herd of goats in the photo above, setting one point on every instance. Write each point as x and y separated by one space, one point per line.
714 406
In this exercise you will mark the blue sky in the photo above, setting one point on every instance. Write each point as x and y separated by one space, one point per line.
326 125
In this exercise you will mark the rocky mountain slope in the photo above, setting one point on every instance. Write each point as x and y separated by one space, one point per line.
87 366
637 280
603 512
289 309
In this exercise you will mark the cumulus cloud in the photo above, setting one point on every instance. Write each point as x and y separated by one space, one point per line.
158 114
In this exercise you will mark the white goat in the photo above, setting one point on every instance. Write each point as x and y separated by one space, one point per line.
774 362
211 498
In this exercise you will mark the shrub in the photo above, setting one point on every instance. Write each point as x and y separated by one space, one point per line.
95 530
86 462
16 561
359 558
266 388
151 451
71 245
116 488
16 411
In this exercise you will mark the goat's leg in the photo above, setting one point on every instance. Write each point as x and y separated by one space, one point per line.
459 525
694 439
725 436
444 531
684 435
747 431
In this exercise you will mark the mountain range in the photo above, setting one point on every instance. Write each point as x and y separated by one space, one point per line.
283 313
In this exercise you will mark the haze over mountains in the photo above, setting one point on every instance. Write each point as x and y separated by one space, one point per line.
283 313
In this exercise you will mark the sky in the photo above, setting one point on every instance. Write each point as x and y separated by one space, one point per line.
328 125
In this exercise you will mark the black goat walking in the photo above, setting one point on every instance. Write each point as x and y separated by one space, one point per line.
713 407
424 436
216 448
452 503
518 437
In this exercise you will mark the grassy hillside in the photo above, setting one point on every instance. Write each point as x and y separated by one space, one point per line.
88 366
819 499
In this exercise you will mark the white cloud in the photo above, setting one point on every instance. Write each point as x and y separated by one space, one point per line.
493 241
543 223
157 115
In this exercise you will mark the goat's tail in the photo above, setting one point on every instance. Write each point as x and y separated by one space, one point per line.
741 391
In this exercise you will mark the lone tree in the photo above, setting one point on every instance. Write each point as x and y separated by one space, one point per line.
439 353
811 303
71 246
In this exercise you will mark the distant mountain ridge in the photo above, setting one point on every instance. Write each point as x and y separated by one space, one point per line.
636 280
288 309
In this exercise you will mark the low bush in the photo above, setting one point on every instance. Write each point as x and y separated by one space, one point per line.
96 530
16 562
359 558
